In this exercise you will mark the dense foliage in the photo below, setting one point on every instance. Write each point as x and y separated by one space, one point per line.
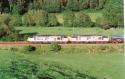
29 48
113 9
85 21
7 32
74 20
22 6
33 18
44 13
52 20
114 12
55 47
69 17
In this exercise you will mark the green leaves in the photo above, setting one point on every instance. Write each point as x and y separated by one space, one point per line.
115 13
68 18
79 19
55 47
82 20
29 48
24 69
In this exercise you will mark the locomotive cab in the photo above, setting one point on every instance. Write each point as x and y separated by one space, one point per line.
117 39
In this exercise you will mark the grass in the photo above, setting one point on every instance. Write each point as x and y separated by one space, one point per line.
70 31
109 65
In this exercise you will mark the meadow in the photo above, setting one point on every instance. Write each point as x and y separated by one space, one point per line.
70 31
97 61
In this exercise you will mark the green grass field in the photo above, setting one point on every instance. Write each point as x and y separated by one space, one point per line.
102 66
109 65
70 31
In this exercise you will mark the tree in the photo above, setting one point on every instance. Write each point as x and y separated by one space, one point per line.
82 20
7 31
115 13
38 17
51 6
101 4
4 6
52 20
16 20
83 4
72 5
104 23
93 3
69 17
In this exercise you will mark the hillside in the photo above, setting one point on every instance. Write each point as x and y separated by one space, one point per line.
63 14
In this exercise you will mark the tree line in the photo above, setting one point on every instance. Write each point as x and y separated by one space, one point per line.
50 5
113 9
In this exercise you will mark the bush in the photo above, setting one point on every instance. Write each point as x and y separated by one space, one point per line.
101 4
33 17
52 20
15 9
69 17
82 20
73 5
7 32
114 13
12 37
29 48
104 23
51 6
5 28
16 20
4 19
55 47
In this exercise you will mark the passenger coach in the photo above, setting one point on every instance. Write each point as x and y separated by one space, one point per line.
68 39
48 38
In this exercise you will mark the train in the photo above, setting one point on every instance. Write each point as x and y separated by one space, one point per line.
45 39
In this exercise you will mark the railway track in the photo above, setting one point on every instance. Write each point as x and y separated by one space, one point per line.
25 43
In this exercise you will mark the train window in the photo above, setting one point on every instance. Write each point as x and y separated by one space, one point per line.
76 37
88 38
46 38
99 38
58 38
79 38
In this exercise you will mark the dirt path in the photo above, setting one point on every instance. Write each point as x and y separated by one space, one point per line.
24 43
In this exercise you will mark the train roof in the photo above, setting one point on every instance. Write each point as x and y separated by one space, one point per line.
50 35
118 36
67 35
